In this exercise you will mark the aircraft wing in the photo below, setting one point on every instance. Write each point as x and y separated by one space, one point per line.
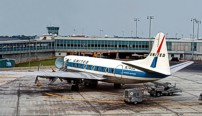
180 66
59 74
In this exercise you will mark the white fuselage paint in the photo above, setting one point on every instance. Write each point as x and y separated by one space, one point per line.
113 70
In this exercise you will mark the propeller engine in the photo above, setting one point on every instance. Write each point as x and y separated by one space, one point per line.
59 63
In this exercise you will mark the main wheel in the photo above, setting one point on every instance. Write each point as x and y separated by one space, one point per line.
158 94
135 102
92 84
117 86
154 94
75 88
170 94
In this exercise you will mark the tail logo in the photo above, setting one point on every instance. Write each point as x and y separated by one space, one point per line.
159 49
157 54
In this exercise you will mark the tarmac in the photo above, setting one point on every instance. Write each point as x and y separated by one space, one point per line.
20 96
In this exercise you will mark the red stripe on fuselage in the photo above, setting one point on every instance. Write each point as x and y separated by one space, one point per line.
159 49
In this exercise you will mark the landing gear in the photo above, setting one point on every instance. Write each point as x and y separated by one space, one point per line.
90 83
75 87
37 82
117 86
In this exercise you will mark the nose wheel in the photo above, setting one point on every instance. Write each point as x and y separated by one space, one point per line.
37 82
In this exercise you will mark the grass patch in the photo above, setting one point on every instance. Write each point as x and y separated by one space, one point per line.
48 62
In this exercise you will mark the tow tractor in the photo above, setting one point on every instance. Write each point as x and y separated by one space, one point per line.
137 95
165 89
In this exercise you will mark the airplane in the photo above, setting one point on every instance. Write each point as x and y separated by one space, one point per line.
77 70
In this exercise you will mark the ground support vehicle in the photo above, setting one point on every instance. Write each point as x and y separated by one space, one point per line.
165 89
133 96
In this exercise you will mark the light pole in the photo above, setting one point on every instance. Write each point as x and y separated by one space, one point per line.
198 22
136 20
150 18
192 45
29 55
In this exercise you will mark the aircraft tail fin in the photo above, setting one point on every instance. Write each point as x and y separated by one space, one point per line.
157 60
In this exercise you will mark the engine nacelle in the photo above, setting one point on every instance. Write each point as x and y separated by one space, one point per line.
59 63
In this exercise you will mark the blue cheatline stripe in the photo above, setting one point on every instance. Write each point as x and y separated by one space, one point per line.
153 65
132 73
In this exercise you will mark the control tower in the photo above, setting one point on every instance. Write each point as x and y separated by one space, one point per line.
53 30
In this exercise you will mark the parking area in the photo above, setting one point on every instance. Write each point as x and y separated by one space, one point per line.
20 96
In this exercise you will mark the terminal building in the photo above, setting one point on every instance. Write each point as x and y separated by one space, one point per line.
52 45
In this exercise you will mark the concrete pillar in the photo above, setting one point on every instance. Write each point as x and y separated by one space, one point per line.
100 55
117 55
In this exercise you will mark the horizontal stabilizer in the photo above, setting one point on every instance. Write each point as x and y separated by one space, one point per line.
180 66
145 68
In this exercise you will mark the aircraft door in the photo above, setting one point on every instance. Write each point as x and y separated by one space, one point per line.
118 71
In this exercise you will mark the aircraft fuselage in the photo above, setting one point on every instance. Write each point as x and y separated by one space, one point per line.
113 70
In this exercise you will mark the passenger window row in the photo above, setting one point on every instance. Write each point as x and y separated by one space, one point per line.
91 67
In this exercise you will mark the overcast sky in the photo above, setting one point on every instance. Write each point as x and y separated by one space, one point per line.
114 17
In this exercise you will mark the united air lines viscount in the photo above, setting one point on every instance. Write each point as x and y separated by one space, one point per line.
77 70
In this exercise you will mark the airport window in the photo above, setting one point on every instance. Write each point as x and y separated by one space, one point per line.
89 67
86 67
75 65
69 64
79 65
106 69
100 69
111 70
95 68
103 69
